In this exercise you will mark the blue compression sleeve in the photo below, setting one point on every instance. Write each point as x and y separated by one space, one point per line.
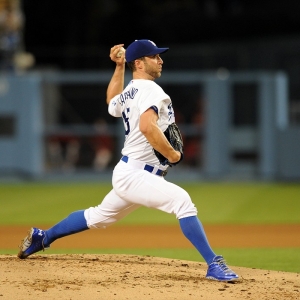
74 223
194 232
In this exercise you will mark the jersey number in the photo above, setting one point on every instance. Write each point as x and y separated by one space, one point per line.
126 121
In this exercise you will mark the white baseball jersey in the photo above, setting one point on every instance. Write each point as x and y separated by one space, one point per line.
137 97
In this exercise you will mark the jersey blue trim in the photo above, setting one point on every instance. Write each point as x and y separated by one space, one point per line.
154 108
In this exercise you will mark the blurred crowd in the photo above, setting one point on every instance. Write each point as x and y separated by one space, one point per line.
69 152
12 54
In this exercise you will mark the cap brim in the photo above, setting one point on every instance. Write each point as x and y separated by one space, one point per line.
157 51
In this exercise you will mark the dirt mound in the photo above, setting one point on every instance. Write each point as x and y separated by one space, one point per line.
133 277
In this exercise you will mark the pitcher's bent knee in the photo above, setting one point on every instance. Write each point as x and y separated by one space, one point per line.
98 219
184 207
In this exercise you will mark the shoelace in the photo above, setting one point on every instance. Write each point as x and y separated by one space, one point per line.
221 262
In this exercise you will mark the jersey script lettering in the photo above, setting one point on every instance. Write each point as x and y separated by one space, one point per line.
127 95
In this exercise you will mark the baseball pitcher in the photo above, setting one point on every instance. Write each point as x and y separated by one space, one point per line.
152 146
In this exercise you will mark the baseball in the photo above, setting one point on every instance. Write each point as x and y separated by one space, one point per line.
121 51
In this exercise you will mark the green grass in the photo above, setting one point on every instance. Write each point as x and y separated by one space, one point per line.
218 203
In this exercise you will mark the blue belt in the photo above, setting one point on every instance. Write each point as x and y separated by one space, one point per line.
148 168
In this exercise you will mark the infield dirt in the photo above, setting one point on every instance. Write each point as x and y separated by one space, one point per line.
121 277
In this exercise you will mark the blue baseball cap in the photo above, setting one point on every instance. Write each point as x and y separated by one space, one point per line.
140 48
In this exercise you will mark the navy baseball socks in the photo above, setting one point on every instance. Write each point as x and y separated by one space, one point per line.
38 239
217 268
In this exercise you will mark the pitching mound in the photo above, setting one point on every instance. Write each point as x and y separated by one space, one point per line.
133 277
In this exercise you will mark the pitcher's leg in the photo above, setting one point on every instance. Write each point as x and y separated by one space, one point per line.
111 210
194 232
154 191
144 188
74 223
38 239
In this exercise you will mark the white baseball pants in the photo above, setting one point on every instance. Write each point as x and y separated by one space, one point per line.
134 187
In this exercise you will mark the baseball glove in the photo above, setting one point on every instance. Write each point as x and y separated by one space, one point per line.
174 137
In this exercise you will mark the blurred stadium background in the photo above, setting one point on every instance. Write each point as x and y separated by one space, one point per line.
233 73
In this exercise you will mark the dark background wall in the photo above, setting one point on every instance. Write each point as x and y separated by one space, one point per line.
60 32
102 22
203 35
208 34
